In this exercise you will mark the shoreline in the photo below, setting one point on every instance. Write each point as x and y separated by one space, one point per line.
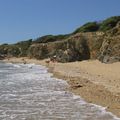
97 88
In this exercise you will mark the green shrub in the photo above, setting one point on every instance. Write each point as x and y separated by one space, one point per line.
95 26
11 50
88 27
24 46
50 38
109 23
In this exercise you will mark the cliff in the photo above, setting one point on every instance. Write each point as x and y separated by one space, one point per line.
94 40
110 49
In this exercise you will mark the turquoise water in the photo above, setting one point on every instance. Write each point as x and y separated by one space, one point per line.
29 92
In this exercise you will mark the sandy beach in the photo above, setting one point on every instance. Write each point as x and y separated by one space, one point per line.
96 82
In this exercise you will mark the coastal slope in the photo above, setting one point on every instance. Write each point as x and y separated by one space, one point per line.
93 40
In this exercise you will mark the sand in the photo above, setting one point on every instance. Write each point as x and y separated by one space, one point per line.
96 82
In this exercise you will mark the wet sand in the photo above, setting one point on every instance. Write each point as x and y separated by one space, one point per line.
96 82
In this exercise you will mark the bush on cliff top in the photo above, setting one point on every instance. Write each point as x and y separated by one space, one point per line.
109 23
96 26
88 27
50 38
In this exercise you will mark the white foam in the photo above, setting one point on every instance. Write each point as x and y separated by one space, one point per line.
10 83
16 65
33 90
30 65
76 97
9 63
103 111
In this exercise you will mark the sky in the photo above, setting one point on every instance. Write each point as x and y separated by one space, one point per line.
29 19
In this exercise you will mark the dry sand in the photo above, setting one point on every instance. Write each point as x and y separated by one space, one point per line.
96 82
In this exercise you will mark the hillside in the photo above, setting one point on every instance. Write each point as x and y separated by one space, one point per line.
94 40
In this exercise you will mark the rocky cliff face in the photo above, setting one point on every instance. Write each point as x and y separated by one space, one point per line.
81 46
110 49
104 46
77 46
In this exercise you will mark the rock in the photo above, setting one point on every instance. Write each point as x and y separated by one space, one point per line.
104 46
2 57
76 86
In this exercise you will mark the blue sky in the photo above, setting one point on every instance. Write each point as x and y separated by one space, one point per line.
25 19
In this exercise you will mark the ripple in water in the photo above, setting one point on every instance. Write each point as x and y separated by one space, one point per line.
28 92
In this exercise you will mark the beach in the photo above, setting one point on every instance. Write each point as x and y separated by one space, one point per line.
94 81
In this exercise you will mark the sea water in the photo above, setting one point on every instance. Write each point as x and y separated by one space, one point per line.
29 92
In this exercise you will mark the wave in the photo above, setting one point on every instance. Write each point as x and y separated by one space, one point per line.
29 88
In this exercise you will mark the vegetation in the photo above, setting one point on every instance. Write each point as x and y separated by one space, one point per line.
96 40
109 23
96 26
50 38
23 47
9 50
88 27
19 49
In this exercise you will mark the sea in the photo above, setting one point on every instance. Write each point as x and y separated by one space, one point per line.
29 92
